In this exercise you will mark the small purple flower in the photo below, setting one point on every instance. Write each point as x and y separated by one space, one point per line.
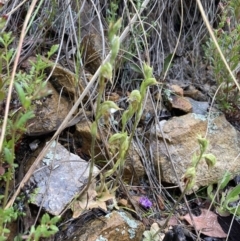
145 202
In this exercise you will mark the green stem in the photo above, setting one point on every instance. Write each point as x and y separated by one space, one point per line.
94 137
11 170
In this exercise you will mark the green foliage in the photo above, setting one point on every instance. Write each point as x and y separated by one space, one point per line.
6 216
29 86
111 11
228 37
190 174
225 200
119 143
45 229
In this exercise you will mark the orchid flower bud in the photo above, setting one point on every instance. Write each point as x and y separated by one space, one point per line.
210 159
106 71
115 45
107 108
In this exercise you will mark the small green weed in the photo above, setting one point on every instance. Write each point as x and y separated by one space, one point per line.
45 229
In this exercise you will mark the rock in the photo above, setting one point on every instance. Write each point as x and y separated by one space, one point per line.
192 92
180 104
133 168
51 110
199 107
83 135
92 51
116 226
181 136
67 83
49 113
59 177
174 100
177 90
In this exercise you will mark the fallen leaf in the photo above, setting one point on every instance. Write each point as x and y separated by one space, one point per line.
207 223
86 202
90 200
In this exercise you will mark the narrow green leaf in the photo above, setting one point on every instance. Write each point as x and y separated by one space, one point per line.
20 124
20 92
224 181
209 192
135 68
53 49
167 63
3 21
232 194
8 155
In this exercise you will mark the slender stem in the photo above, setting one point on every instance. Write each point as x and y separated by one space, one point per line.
94 137
11 169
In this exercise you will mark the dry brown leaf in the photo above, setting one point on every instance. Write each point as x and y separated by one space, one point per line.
89 200
207 223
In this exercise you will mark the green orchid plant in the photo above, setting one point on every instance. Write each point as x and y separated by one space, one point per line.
118 143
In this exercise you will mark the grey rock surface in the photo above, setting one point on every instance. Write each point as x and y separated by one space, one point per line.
58 178
181 136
